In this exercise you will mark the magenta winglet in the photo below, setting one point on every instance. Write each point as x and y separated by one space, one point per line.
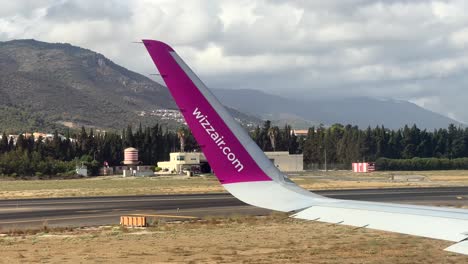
228 158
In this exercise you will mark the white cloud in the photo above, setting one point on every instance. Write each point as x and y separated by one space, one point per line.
414 50
460 38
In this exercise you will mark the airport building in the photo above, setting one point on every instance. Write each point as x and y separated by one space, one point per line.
131 166
300 132
286 162
196 162
185 161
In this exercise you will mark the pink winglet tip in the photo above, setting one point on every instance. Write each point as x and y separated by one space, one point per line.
157 44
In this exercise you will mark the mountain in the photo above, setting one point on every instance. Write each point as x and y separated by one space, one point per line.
361 111
44 86
55 85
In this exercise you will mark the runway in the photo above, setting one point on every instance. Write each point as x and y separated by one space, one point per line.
92 211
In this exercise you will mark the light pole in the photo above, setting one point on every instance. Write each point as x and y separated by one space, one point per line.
326 169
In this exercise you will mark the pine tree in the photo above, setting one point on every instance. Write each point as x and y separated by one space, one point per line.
4 143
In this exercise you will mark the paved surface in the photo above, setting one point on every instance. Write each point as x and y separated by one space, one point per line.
89 211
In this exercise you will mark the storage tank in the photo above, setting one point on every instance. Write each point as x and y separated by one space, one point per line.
130 156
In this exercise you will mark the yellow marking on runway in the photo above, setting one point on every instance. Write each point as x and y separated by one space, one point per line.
168 216
58 218
17 209
245 207
109 215
82 200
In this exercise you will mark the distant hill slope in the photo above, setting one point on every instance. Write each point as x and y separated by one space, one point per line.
44 86
362 111
48 85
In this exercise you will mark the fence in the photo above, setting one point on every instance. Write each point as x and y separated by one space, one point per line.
328 166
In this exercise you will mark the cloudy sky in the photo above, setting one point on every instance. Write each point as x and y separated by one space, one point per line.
413 50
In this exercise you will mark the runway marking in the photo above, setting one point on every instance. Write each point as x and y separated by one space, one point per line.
247 207
16 209
119 201
168 216
58 218
222 196
109 215
90 211
227 196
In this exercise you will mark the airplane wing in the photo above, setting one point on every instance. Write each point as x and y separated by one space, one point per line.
244 170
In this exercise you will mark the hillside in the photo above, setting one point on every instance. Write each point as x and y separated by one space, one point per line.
54 85
44 86
361 111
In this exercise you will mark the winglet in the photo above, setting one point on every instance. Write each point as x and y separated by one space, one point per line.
219 133
240 165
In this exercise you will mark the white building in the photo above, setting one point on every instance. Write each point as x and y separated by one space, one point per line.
286 162
185 161
196 162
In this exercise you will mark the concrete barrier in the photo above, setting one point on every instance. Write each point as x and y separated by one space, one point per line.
133 221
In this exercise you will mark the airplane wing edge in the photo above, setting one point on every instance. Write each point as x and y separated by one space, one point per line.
246 172
423 221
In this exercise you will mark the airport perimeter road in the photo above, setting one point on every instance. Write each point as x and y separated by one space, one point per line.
91 211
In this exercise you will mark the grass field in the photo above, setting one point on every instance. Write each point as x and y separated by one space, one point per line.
114 185
271 239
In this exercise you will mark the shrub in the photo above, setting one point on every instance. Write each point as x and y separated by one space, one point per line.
420 164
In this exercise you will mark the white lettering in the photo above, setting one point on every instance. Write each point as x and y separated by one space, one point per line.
214 136
226 150
197 113
217 139
231 156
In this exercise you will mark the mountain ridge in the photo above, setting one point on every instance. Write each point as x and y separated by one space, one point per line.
59 85
360 111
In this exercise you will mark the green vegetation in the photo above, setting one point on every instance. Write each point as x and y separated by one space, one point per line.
418 164
346 144
58 157
21 163
403 149
17 120
272 138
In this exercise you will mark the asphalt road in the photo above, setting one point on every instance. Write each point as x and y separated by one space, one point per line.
91 211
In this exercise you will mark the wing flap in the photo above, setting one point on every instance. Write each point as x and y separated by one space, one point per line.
430 222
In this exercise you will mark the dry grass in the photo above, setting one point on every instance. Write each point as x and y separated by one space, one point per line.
112 185
272 239
107 186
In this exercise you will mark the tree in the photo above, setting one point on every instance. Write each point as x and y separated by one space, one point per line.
264 141
129 138
181 135
273 133
4 143
293 144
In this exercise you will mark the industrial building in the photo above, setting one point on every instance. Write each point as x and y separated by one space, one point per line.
300 132
127 171
185 161
286 162
197 163
131 166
